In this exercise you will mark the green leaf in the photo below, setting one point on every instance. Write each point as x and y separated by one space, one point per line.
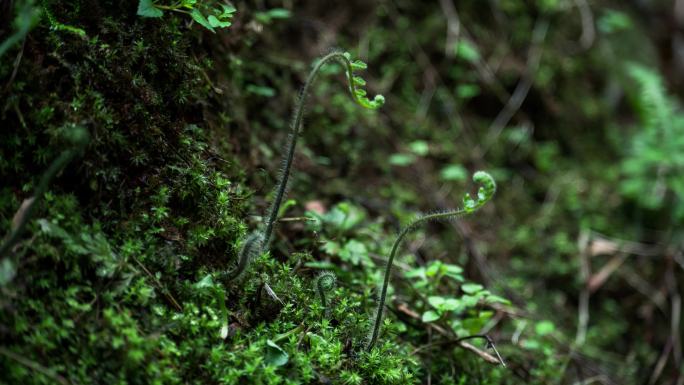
215 22
331 248
344 216
354 252
454 272
453 172
358 65
259 90
544 327
467 91
468 51
614 21
199 18
496 299
272 14
436 301
205 282
450 304
275 355
321 265
471 288
146 8
469 301
430 316
433 268
402 159
418 272
279 13
228 10
419 147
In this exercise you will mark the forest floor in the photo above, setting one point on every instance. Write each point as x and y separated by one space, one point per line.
142 144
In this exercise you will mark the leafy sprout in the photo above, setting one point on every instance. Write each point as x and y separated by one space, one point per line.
209 16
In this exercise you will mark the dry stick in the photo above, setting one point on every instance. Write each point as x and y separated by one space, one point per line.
644 287
520 93
459 341
160 286
453 26
482 354
15 71
588 30
676 313
485 193
583 306
660 364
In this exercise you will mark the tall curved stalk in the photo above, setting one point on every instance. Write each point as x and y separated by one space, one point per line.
358 95
470 205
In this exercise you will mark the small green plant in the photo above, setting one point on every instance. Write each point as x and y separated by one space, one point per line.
462 313
470 205
258 241
358 94
79 138
207 13
652 170
325 282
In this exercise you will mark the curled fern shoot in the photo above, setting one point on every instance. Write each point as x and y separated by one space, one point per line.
470 205
358 94
79 138
251 248
325 282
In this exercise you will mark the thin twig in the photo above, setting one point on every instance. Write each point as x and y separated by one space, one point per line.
588 30
453 26
583 306
159 285
521 90
461 342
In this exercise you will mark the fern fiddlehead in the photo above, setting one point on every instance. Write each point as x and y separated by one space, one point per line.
325 282
470 205
358 94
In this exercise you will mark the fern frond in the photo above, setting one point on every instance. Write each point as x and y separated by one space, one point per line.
470 205
358 94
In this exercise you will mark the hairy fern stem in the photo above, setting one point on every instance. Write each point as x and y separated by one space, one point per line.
485 193
251 248
358 95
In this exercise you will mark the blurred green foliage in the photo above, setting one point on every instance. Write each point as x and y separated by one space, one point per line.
115 280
